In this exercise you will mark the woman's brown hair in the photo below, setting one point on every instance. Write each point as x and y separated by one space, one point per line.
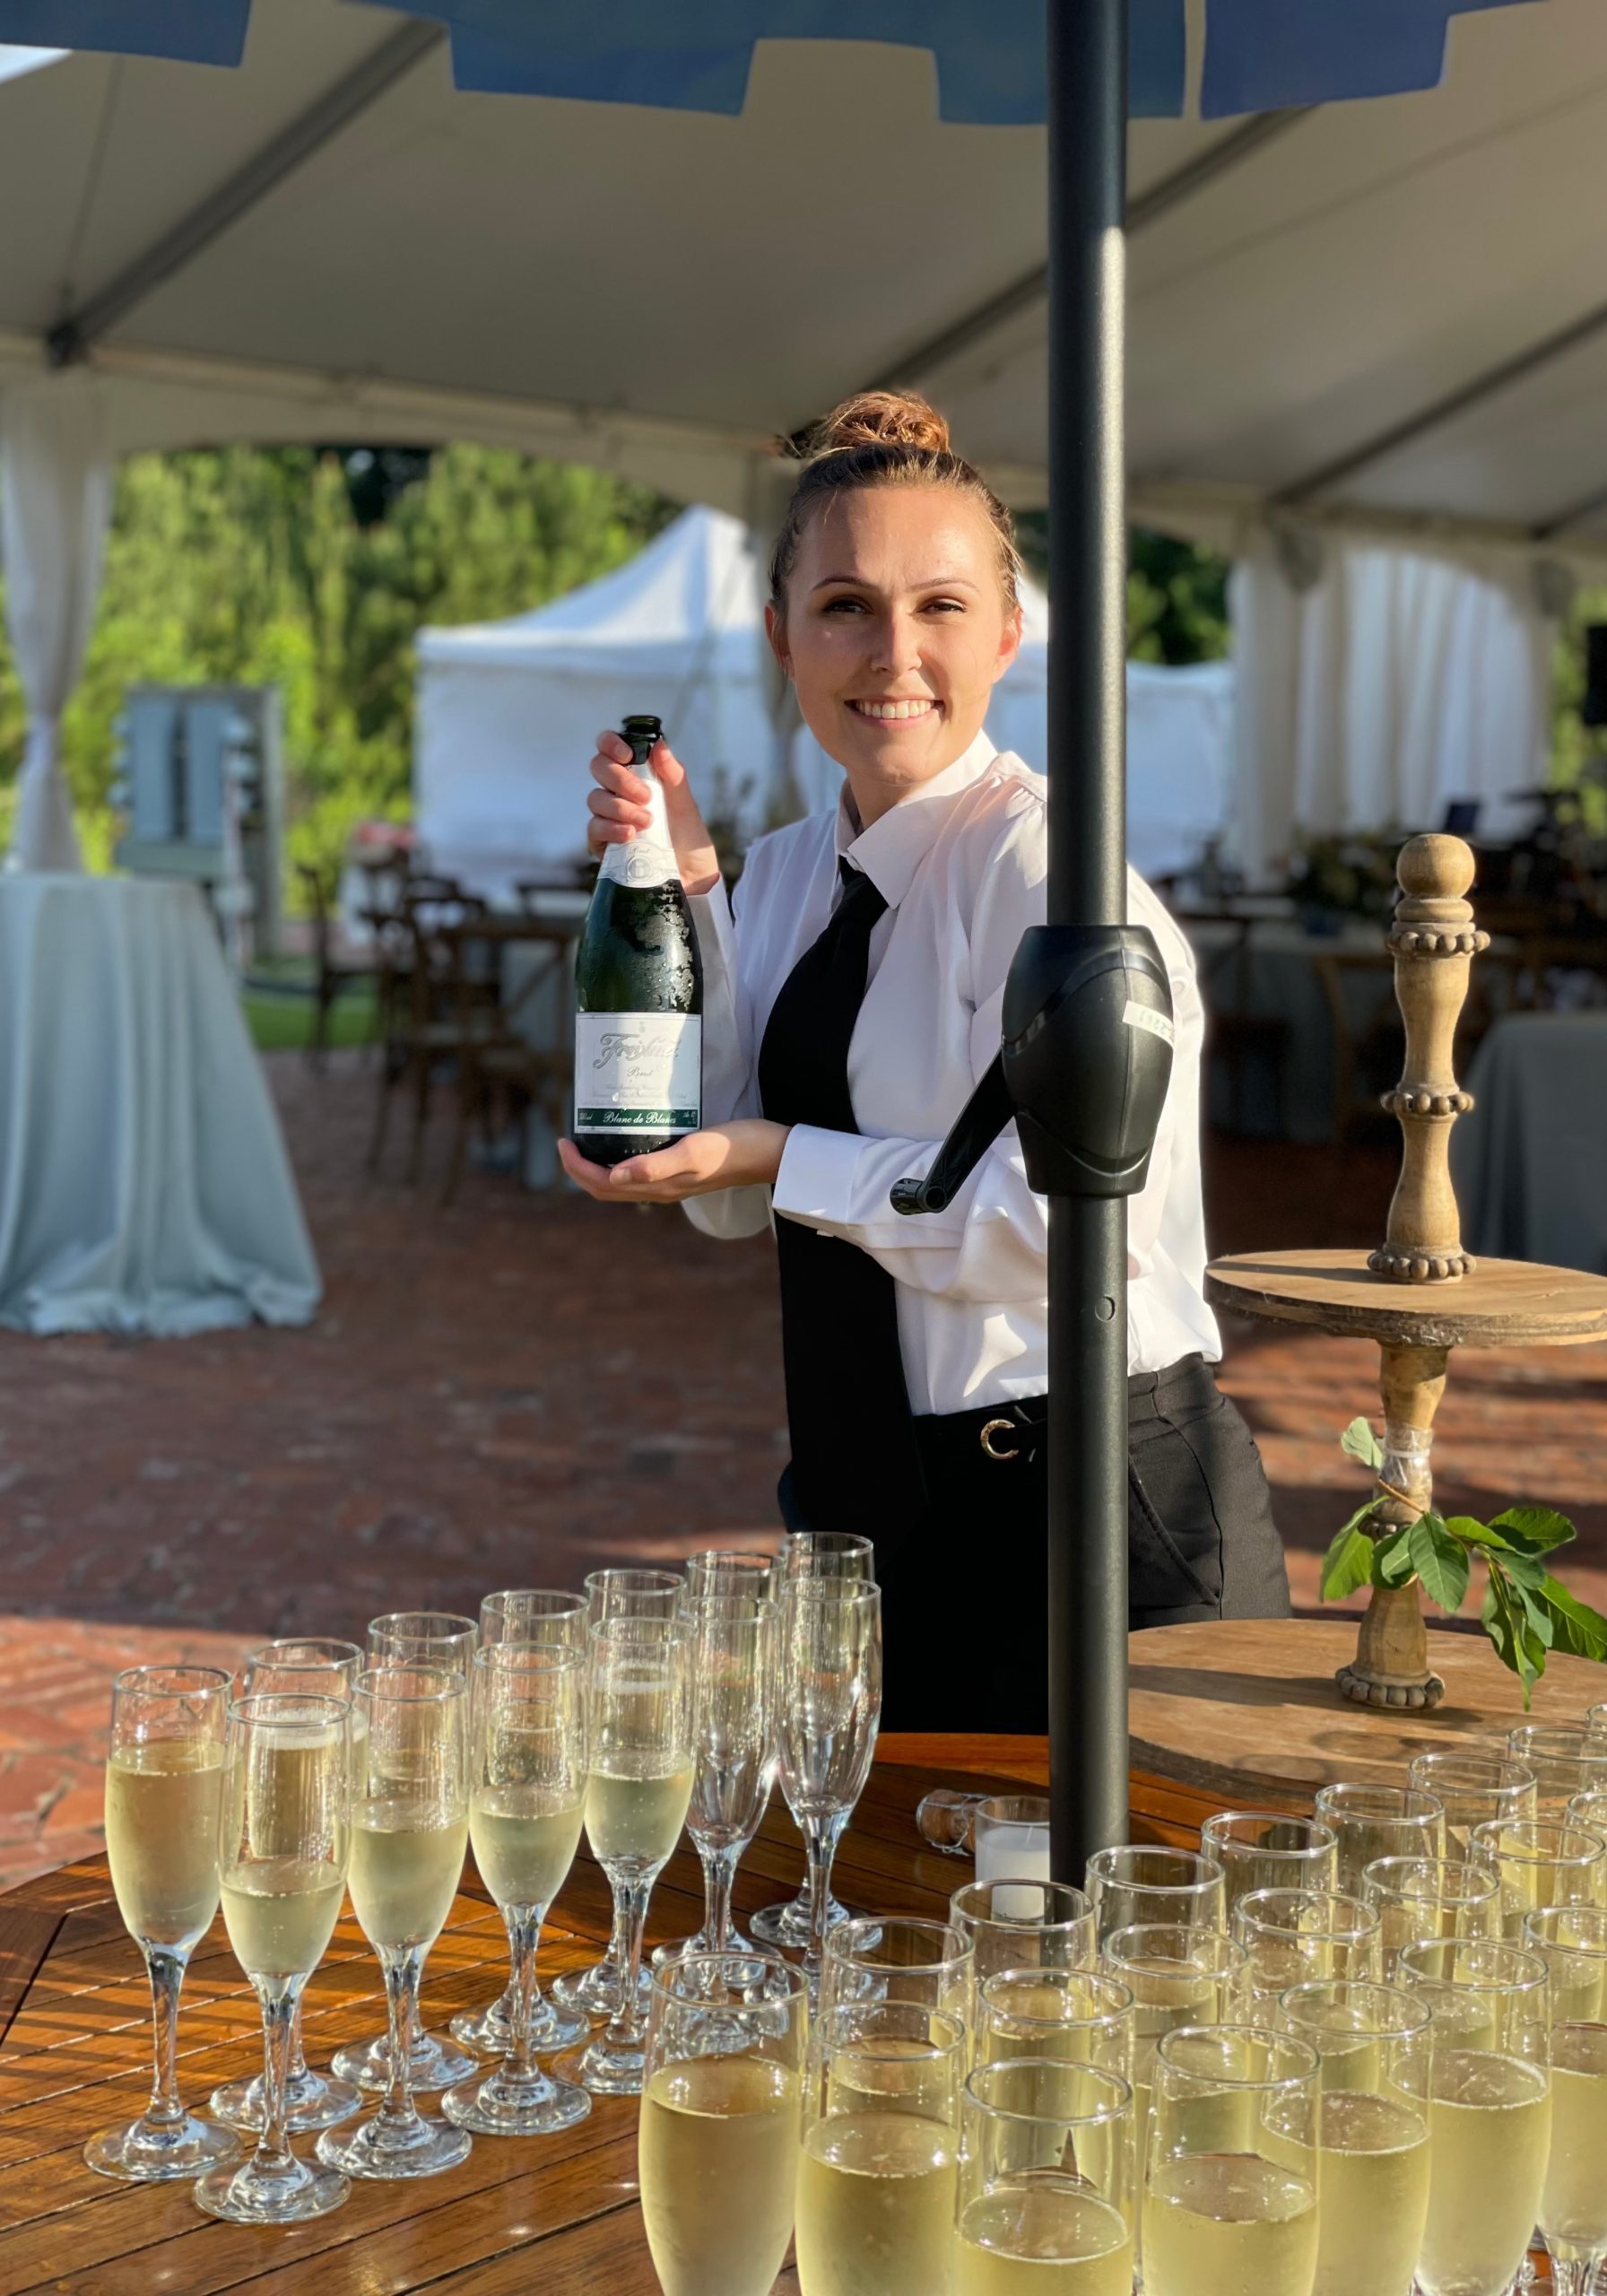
884 438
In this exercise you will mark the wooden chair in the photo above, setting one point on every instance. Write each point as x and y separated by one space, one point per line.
1239 1043
498 1066
335 973
1367 1059
425 1029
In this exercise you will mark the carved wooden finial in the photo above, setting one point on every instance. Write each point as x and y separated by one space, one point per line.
1433 942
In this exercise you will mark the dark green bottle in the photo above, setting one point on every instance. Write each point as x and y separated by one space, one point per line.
638 992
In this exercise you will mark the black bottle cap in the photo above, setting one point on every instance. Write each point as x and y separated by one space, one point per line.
642 728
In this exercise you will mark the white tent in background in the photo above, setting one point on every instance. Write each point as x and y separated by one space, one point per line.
506 712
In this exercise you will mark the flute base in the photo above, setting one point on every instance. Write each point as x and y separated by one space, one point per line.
139 2152
436 2063
507 2104
246 2195
312 2101
606 2068
662 1955
490 2032
385 2152
590 1993
788 1925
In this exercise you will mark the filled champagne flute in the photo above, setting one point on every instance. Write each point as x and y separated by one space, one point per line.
1475 1789
526 1614
830 1702
1025 1924
638 1787
1541 1862
717 2142
1372 1822
1073 2016
1566 1761
164 1779
1595 1730
1261 1849
1489 2109
632 1592
1572 1943
735 1639
1292 1935
1175 1889
811 1555
410 1828
1047 2181
928 1964
1420 1898
318 1665
1230 2199
1176 1976
284 1846
731 1570
1373 2052
527 1773
879 2179
443 1638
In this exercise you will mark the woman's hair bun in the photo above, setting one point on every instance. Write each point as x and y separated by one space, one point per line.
877 419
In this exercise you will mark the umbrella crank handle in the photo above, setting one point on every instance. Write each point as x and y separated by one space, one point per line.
972 1134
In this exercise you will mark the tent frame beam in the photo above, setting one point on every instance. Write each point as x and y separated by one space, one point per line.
290 150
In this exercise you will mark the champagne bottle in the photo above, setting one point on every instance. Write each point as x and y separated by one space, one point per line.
638 992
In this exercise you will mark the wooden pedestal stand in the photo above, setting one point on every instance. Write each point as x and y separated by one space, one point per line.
1420 1294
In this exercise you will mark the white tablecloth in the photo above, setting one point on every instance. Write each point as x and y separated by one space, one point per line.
143 1184
1530 1163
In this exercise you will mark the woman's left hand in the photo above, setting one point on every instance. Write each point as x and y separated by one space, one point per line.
744 1154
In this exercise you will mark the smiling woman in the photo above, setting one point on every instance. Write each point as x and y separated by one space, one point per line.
852 1001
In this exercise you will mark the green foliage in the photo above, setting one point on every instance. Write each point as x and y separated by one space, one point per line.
1575 748
1176 594
249 564
1360 1442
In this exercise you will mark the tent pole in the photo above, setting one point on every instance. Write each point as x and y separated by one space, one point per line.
1088 1237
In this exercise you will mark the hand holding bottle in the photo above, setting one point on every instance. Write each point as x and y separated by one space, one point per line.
618 806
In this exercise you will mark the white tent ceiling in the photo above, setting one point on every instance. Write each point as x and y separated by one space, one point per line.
332 243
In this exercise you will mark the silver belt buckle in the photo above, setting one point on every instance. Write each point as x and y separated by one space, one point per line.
999 1426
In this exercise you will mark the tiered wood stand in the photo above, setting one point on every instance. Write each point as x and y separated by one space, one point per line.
1420 1294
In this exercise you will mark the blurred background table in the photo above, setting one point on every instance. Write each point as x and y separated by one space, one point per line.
143 1182
1530 1163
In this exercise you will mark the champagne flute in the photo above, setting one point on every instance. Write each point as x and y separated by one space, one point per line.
717 2145
1589 1810
1262 1849
318 1665
1539 1862
443 1638
410 1830
1292 1936
527 1771
1372 1822
638 1790
1373 2052
1176 1976
1595 1730
284 1846
927 1964
731 1570
1046 2181
830 1664
1075 2016
734 1693
524 1615
1419 1899
1475 1789
1572 1942
1229 2198
879 2179
1024 1925
811 1555
1173 1889
1489 2109
164 1780
633 1593
1566 1762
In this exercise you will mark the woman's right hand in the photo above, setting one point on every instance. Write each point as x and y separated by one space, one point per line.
619 809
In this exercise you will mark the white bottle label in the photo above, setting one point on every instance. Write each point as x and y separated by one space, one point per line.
649 859
638 1072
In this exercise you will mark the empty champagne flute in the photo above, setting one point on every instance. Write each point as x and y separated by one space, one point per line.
1025 1925
1176 1976
811 1555
534 1615
1373 1821
1490 2110
1260 1849
731 1570
831 1700
925 1964
318 1665
717 2143
734 1693
638 1786
527 1773
1178 1888
1047 2178
633 1593
1538 1863
879 2178
1292 1935
442 1639
1229 2202
1373 2053
1420 1898
1475 1789
410 1827
1565 1760
1572 1943
285 1846
1074 2017
164 1780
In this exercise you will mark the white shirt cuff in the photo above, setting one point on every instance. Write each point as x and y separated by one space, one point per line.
815 1182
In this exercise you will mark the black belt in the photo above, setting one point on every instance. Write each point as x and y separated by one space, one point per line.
1004 1432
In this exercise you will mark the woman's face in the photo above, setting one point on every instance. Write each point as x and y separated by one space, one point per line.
896 631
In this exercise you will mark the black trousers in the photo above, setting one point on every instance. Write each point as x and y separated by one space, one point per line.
963 1607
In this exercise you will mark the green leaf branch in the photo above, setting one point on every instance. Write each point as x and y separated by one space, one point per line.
1527 1611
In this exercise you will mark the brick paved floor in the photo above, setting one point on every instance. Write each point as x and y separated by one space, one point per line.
516 1390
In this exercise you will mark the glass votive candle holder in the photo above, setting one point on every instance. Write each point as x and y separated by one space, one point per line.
1009 1838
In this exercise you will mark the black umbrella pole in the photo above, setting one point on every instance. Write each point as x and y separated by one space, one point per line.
1088 551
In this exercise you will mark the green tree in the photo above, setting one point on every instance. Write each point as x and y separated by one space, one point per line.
1176 594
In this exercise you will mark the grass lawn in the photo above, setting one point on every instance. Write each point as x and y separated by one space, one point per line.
280 1017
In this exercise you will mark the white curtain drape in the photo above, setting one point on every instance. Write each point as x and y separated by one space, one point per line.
55 487
1378 685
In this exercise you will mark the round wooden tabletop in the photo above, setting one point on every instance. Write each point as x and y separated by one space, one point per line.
1245 1711
1503 1303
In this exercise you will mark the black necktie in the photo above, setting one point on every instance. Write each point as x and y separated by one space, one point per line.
855 1466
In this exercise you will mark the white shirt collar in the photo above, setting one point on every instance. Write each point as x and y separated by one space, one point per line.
891 850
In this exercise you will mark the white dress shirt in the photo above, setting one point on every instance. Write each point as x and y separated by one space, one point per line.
962 862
